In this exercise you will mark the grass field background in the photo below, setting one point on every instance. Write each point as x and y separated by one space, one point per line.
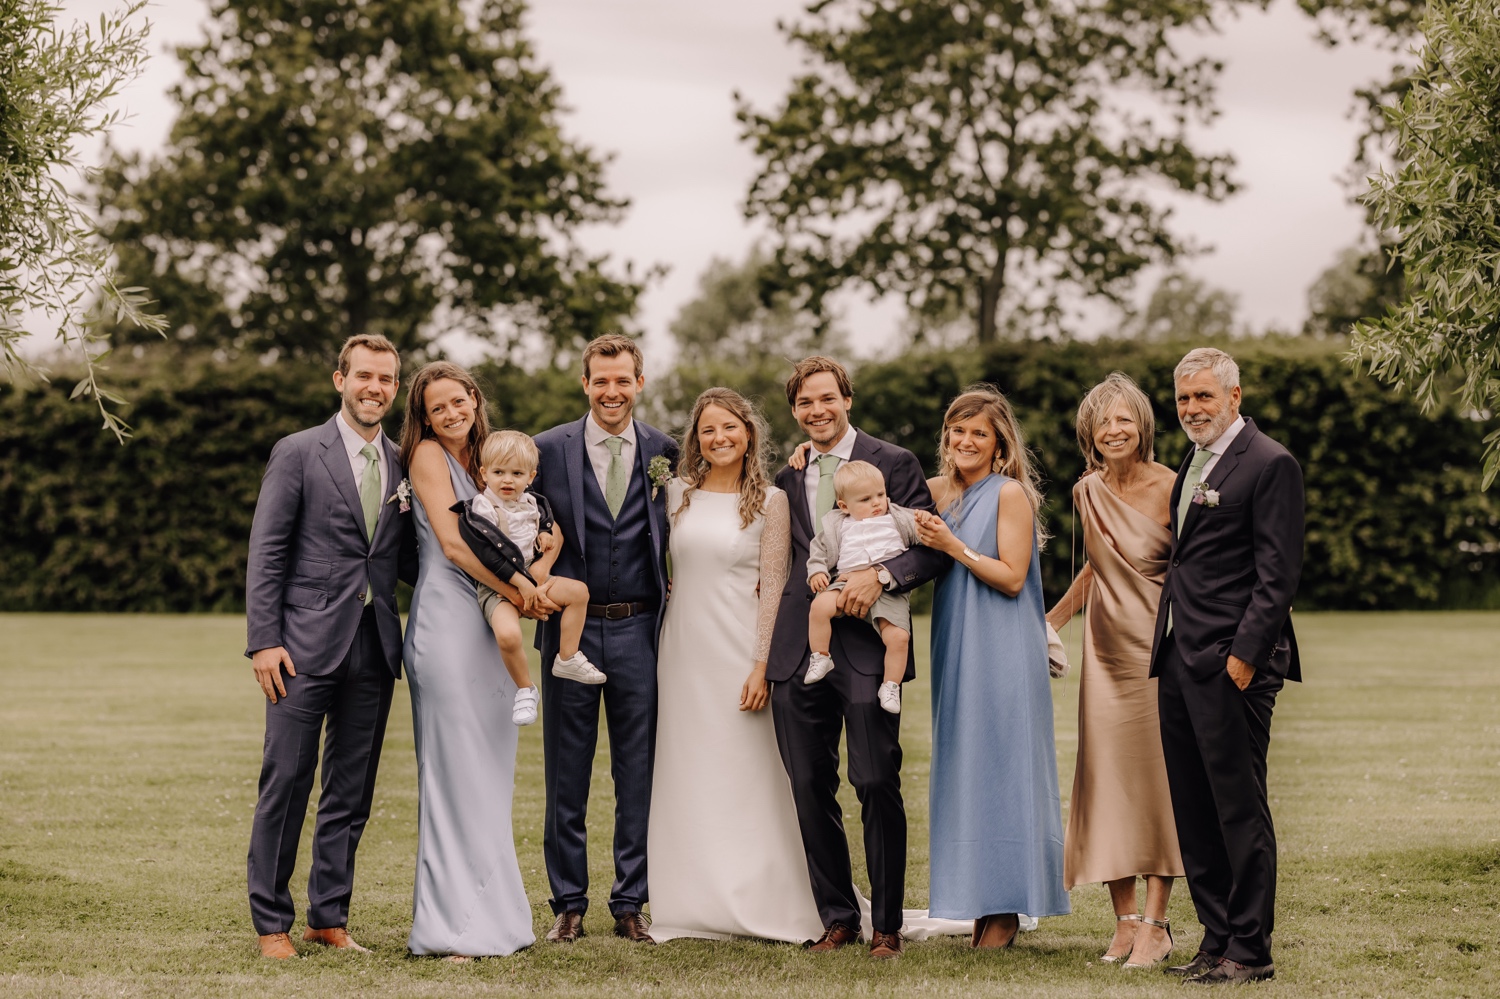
130 748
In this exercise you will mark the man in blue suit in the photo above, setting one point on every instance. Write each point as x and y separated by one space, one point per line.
326 547
595 472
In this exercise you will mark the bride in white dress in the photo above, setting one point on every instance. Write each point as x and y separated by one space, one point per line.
724 853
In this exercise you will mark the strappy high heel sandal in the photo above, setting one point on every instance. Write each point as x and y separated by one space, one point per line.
1107 958
1165 924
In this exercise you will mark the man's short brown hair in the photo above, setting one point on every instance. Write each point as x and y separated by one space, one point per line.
809 366
613 345
370 341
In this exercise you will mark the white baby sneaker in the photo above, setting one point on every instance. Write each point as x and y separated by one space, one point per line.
577 667
523 712
890 697
818 666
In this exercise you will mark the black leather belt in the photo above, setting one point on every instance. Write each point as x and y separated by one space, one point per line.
618 612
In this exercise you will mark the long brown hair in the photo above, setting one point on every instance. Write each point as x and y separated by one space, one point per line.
415 428
1012 457
692 467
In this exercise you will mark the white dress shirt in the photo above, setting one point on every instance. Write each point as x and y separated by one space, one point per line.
1219 447
354 443
845 451
519 519
868 542
598 452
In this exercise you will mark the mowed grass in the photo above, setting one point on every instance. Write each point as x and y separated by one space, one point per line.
130 747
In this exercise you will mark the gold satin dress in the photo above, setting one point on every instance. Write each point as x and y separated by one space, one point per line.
1120 817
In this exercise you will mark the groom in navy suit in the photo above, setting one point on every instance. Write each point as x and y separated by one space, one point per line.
809 718
1223 648
596 474
326 548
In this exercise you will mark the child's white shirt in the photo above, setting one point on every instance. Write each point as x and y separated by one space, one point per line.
866 542
518 519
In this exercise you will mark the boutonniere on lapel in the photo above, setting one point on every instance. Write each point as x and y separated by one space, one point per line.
659 471
1204 496
403 494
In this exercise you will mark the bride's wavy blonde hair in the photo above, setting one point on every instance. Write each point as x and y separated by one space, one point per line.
692 466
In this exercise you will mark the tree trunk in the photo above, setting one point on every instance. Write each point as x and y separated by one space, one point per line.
989 297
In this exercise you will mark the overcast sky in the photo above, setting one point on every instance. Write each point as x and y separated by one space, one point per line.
650 81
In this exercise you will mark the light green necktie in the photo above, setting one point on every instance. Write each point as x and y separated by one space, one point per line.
369 501
1195 473
617 479
827 465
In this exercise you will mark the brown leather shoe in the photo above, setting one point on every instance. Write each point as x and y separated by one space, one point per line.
567 928
337 937
1227 971
633 927
884 946
833 938
277 946
1200 963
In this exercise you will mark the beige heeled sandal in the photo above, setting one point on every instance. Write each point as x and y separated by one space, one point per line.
1108 958
1165 924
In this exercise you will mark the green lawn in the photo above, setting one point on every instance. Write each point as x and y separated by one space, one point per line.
130 746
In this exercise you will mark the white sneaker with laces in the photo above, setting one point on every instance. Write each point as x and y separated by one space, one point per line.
577 667
890 697
523 712
818 666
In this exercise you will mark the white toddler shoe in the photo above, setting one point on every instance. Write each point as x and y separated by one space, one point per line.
818 666
523 712
890 696
577 667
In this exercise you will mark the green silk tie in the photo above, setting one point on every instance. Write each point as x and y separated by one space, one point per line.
1195 472
616 480
369 501
827 465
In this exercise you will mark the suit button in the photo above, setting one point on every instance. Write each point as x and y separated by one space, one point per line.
360 597
1175 562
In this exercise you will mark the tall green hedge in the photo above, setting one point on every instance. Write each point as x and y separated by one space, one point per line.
1395 516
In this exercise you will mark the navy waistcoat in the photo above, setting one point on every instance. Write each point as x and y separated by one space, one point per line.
618 565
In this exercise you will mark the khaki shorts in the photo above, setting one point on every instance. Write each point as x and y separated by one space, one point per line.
488 601
893 607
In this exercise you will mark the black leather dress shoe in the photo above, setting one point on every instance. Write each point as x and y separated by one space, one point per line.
567 929
1197 966
633 927
1226 971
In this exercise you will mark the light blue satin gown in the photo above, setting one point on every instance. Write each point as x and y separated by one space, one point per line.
996 816
469 897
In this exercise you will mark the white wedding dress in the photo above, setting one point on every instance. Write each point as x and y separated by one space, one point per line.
724 854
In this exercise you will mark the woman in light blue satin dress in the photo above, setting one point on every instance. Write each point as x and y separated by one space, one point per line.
996 816
469 899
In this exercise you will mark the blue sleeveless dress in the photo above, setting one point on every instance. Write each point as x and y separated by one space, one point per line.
996 816
469 898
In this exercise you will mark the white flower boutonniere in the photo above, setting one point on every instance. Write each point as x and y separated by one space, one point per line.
1204 496
659 471
403 494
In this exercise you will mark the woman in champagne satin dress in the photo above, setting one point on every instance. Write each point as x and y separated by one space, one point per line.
1120 824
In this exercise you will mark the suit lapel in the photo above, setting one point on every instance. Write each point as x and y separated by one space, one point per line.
1221 470
336 460
795 488
642 464
577 464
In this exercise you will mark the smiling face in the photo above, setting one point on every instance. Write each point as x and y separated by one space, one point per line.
822 411
1204 407
612 385
865 498
508 478
449 409
1117 436
369 387
722 437
971 447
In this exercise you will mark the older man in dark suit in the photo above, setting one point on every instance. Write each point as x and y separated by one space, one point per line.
1223 648
809 718
326 547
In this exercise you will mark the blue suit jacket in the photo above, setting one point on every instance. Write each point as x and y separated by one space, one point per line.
559 478
310 560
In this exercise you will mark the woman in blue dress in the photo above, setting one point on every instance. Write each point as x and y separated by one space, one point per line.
469 900
996 817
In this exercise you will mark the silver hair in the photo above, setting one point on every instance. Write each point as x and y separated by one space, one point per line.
1209 359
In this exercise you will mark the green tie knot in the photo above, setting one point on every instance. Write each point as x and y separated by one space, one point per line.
614 444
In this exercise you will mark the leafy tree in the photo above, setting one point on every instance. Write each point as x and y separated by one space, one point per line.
384 166
1362 283
55 272
1185 307
963 151
1443 207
